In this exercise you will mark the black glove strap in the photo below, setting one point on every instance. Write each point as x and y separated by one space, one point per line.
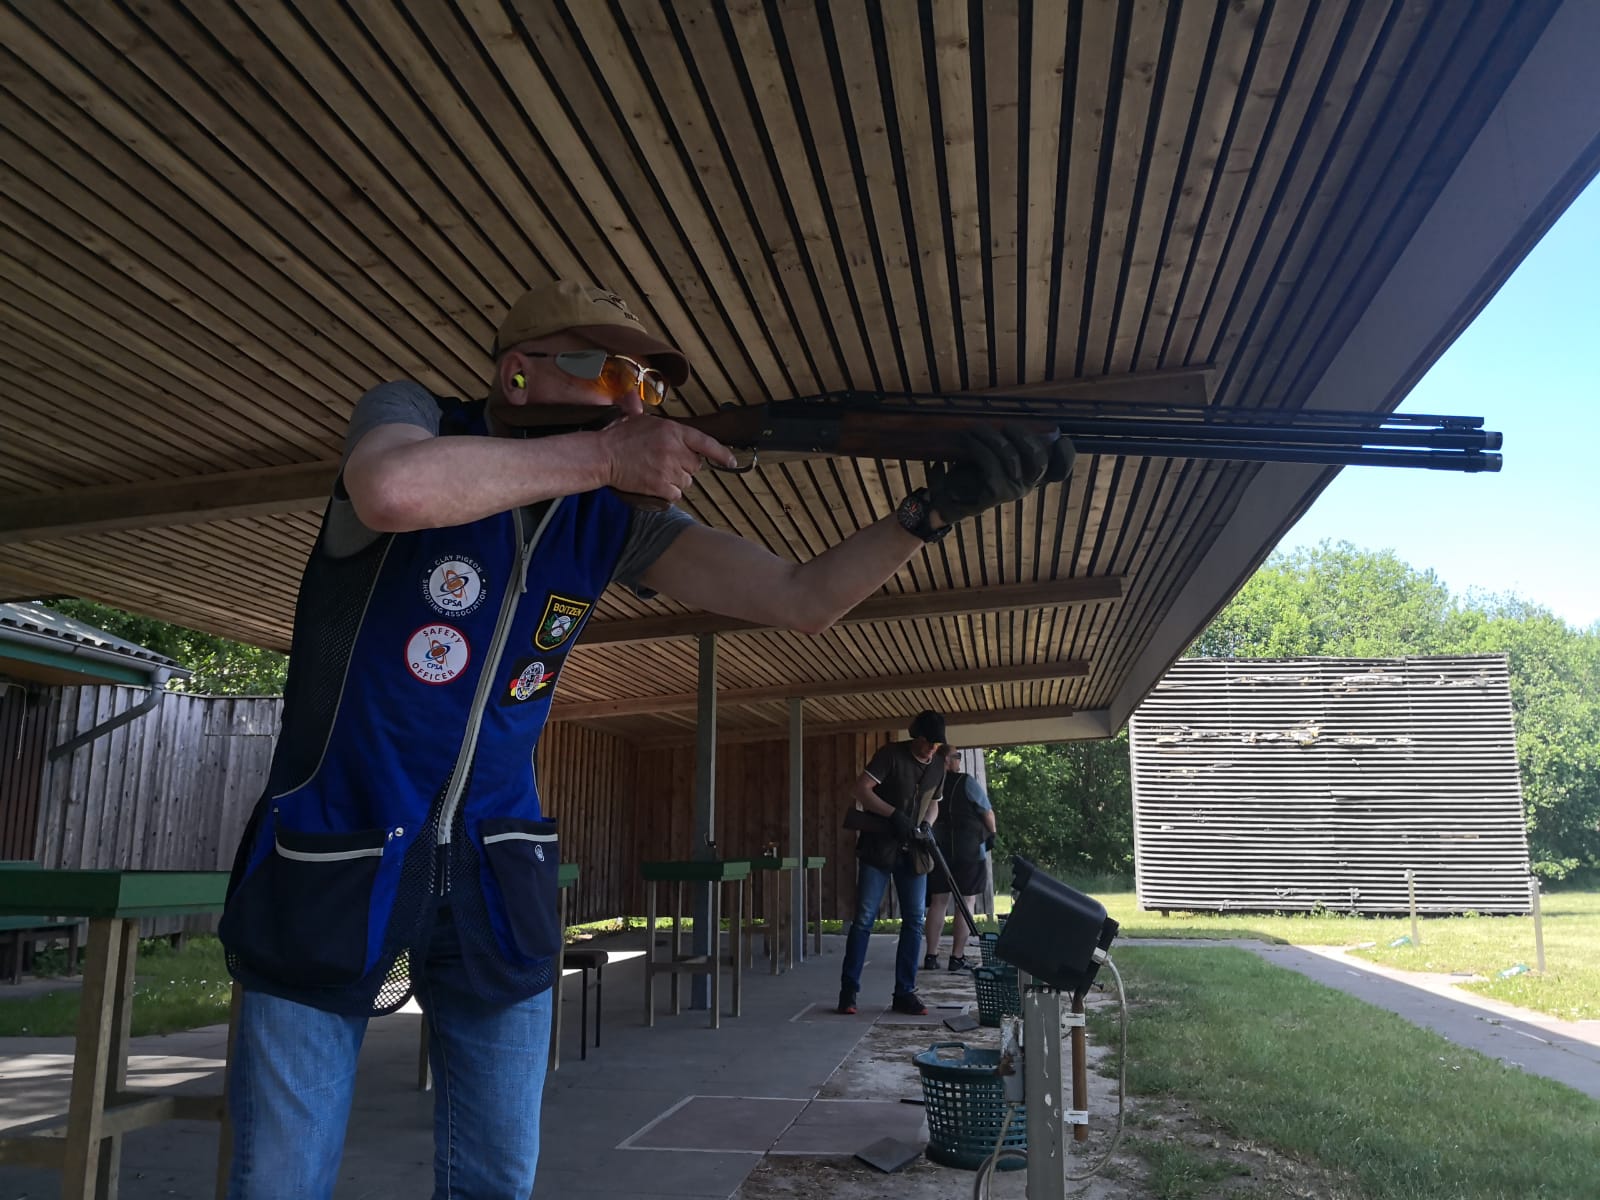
914 514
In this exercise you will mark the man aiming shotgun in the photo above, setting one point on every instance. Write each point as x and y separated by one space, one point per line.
401 847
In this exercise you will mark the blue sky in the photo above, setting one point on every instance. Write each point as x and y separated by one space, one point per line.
1530 365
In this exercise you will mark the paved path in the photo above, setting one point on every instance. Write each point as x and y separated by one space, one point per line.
1566 1051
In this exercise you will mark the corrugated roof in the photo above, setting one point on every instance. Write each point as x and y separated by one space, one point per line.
224 222
40 625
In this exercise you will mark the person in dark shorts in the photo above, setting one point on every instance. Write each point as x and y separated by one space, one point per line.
965 833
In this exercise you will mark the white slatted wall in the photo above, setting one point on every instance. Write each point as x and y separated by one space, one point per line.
1263 785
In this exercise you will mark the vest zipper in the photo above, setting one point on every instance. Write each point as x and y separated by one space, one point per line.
516 583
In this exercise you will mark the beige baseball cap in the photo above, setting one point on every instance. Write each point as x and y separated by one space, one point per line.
599 315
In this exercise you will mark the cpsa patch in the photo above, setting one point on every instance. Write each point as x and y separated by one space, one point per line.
560 621
454 586
437 653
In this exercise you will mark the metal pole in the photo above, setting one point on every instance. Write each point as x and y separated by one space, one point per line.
1411 888
1538 924
1045 1089
706 940
797 830
1080 1070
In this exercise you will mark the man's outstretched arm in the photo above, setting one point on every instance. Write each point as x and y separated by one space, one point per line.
724 573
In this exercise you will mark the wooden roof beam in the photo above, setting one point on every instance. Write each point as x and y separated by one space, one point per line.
896 723
1176 387
216 497
813 688
947 602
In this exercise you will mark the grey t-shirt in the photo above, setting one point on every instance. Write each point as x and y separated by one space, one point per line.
404 402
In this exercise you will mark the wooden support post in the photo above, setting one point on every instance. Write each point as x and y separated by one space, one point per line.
100 1063
707 938
555 988
738 943
650 955
1538 925
677 943
714 961
797 831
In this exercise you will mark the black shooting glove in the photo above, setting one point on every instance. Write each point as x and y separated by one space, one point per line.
988 843
1005 464
902 826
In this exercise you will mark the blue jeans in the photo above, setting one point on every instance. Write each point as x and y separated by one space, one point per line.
293 1076
871 884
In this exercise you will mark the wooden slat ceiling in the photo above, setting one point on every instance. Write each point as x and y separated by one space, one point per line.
222 221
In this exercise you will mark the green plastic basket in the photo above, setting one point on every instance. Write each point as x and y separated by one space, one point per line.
998 994
966 1105
986 944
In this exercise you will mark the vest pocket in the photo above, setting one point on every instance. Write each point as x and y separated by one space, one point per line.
301 918
524 858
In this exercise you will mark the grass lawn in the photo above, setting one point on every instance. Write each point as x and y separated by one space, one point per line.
1569 989
1281 1061
173 990
1570 986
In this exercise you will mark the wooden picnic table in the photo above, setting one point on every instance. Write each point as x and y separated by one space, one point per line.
777 916
102 1107
22 930
714 873
814 863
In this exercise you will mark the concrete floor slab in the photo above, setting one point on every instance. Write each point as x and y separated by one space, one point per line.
730 1124
842 1127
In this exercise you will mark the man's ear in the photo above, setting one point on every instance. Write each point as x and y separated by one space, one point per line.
511 374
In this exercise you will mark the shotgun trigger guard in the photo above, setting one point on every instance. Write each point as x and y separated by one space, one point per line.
740 468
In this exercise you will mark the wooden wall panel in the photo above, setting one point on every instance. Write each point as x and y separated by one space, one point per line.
753 807
26 718
170 790
587 782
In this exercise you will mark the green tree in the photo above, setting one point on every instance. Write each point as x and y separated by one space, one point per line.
1555 694
221 667
1068 807
1334 601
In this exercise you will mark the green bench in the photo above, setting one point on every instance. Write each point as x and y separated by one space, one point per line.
22 933
18 934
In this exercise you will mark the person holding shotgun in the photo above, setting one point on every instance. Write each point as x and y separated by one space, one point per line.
401 847
899 789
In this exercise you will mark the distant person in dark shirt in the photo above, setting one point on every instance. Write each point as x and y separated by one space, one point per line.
965 833
902 783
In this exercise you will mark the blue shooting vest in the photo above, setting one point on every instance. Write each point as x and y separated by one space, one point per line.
402 788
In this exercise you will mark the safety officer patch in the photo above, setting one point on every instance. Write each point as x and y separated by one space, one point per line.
454 586
561 617
530 679
437 653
